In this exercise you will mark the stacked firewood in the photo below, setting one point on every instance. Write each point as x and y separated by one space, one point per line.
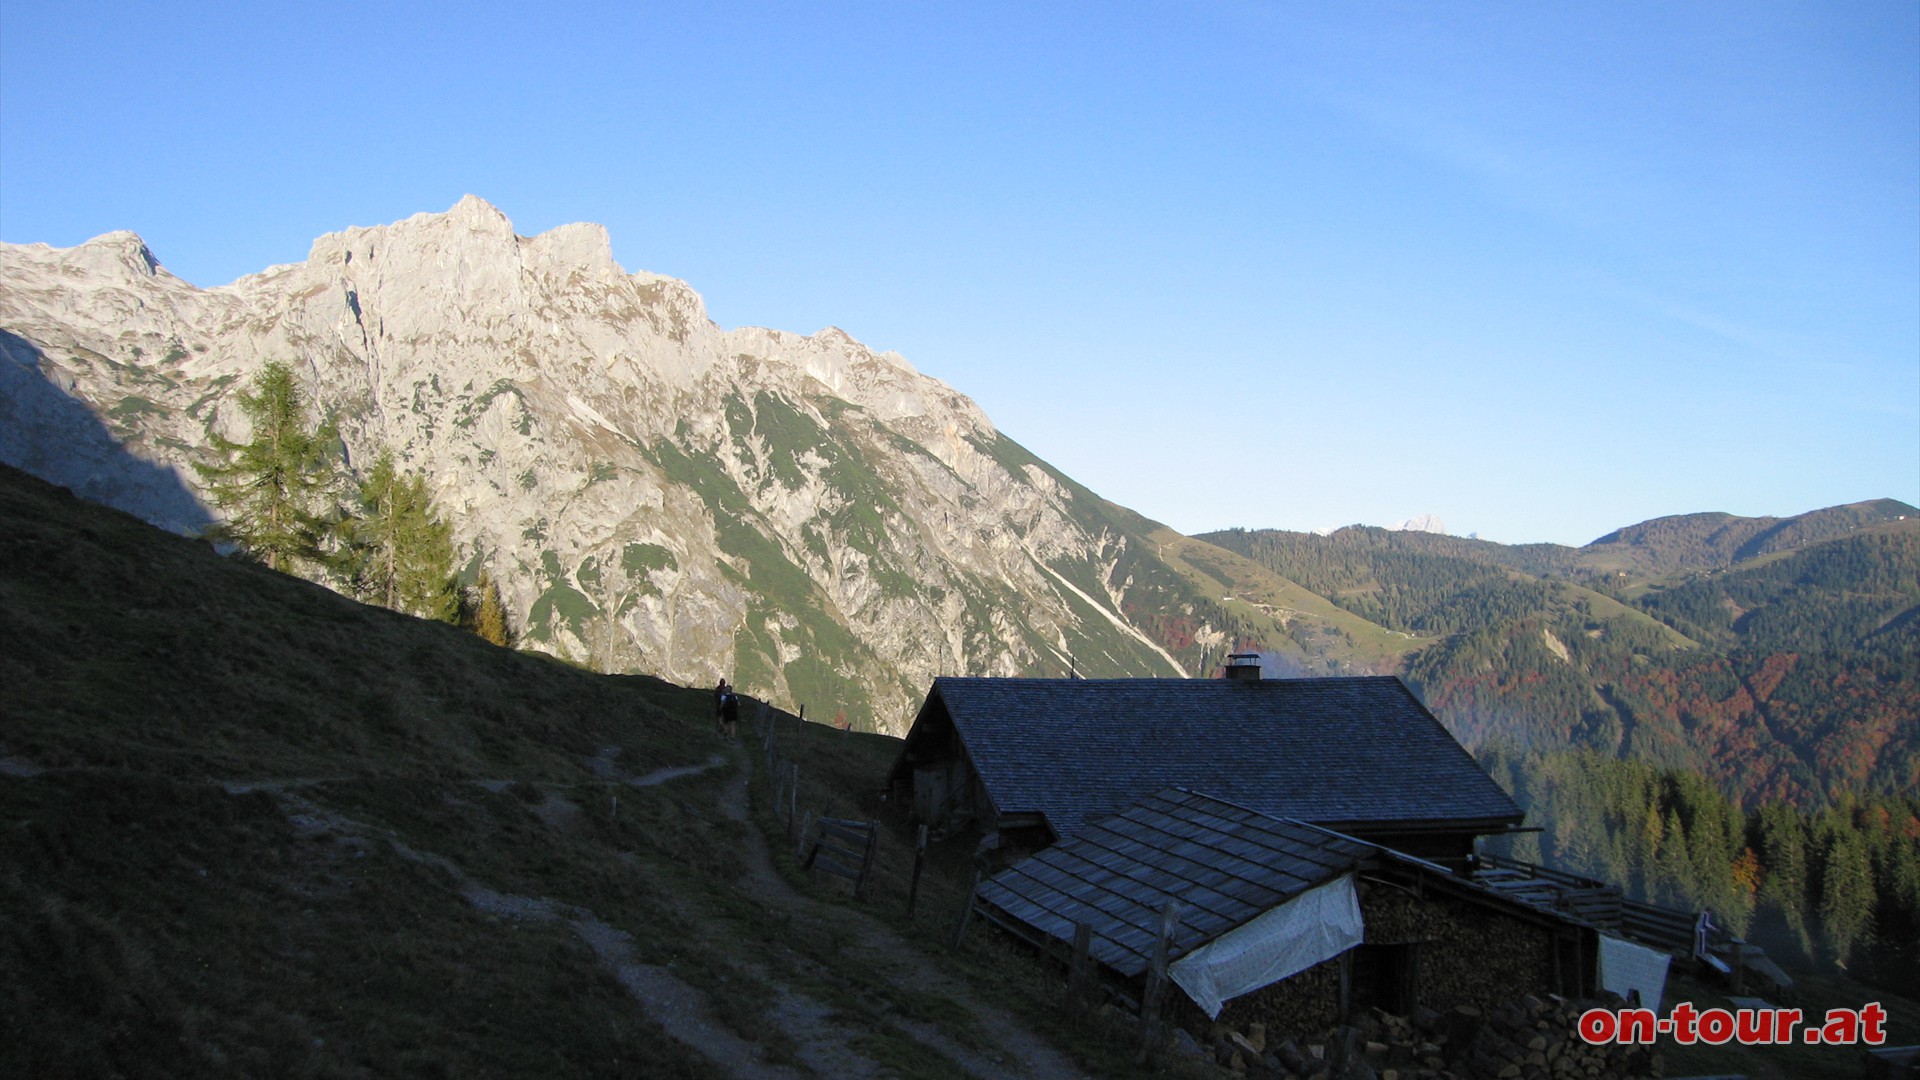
1531 1039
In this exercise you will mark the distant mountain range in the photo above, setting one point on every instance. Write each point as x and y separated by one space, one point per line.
1778 656
830 528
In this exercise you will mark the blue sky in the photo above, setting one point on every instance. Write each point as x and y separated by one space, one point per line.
1543 270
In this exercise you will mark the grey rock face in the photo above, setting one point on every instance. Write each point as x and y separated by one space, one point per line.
815 520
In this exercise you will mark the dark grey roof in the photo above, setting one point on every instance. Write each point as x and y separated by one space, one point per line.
1331 751
1223 863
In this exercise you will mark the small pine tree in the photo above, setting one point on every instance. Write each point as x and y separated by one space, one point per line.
401 551
267 487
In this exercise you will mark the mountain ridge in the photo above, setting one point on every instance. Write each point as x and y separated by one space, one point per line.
815 519
1787 673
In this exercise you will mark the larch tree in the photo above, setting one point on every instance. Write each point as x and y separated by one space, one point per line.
489 619
268 486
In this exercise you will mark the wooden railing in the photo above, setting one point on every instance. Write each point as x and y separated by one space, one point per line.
1596 902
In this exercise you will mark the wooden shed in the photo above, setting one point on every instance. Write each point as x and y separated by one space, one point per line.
1282 918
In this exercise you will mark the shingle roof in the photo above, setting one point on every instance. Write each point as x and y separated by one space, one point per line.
1330 751
1223 863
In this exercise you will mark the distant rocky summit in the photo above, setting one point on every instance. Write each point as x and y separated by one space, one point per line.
817 521
1423 523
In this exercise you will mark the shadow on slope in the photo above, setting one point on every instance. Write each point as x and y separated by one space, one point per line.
249 827
238 815
54 436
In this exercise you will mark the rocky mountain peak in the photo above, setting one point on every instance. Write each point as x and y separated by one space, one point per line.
115 254
816 520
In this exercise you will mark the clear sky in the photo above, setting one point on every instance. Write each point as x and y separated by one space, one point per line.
1542 270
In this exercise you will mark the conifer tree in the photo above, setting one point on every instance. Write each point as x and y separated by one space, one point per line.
267 486
402 550
1846 889
1783 852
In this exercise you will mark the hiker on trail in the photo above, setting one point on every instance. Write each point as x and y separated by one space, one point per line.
730 716
720 693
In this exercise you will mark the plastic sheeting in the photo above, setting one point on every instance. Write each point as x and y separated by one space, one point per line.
1317 925
1626 968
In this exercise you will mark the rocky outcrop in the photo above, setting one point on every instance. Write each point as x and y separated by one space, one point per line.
817 520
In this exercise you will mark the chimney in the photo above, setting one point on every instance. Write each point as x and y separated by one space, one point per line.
1243 666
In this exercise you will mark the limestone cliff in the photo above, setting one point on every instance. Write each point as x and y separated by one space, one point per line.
819 521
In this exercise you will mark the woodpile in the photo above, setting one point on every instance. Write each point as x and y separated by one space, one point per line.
1469 954
1307 1001
1531 1039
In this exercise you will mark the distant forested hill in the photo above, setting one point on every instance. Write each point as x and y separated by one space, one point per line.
1780 658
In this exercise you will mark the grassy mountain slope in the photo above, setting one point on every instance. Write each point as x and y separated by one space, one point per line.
1282 615
249 827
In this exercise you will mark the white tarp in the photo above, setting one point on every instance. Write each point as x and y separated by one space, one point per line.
1319 924
1626 967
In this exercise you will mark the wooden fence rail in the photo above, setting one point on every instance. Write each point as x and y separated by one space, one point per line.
840 847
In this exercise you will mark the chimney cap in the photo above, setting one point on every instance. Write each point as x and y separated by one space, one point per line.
1243 666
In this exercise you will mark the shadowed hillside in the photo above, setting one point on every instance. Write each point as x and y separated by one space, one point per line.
251 828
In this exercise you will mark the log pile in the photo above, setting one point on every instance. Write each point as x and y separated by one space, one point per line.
1469 954
1531 1039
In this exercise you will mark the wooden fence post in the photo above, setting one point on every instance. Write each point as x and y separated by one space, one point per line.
805 828
1156 982
913 883
793 796
966 913
866 861
1080 965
